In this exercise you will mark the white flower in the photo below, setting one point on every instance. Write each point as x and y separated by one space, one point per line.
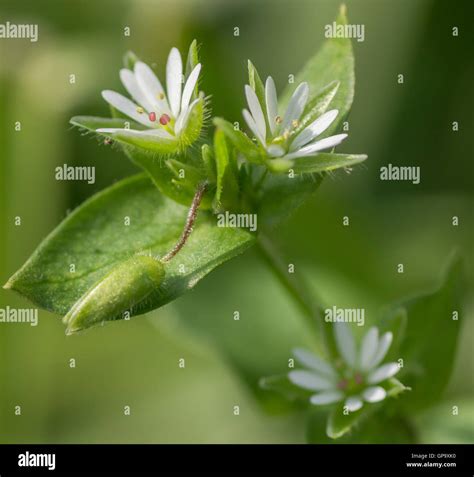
165 115
279 133
356 379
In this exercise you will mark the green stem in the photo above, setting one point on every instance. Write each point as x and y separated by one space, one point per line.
297 289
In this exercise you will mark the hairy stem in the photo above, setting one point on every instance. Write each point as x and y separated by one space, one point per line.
297 289
188 226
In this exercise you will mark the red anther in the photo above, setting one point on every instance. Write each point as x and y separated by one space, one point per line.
164 119
358 378
152 116
342 384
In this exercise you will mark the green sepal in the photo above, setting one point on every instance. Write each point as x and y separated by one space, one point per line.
320 162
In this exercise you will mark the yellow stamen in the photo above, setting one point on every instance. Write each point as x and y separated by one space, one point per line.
140 110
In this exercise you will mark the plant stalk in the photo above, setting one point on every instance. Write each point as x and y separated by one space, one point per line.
297 289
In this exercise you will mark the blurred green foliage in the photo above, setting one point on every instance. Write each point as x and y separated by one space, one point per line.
135 363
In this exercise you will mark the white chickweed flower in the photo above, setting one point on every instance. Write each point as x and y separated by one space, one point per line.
164 115
357 379
279 133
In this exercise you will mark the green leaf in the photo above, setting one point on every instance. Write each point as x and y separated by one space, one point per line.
240 140
320 162
283 195
191 62
430 336
209 162
381 428
333 63
95 239
339 423
227 184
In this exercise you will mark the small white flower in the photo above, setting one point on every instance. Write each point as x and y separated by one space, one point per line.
356 379
165 115
279 133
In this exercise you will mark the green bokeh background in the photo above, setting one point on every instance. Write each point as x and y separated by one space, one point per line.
135 363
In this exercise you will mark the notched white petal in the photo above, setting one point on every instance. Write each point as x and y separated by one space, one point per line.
253 126
382 373
174 74
382 349
272 104
296 106
131 85
184 116
125 106
374 394
309 380
345 343
326 397
256 110
153 134
353 403
309 360
151 88
317 146
189 87
316 128
368 348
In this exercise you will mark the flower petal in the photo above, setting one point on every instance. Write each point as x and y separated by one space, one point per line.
326 397
184 116
125 106
374 394
151 88
353 403
309 360
174 73
253 126
256 110
368 348
382 373
295 106
189 86
384 344
272 104
131 85
345 343
314 129
148 133
314 147
309 380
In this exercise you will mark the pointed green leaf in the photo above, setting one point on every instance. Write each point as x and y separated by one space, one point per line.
239 140
333 63
95 238
227 184
430 336
340 423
